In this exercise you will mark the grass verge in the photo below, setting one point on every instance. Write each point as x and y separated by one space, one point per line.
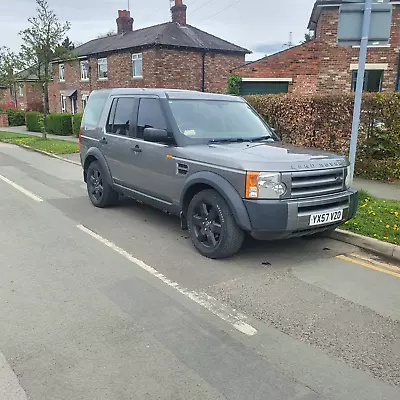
376 218
54 146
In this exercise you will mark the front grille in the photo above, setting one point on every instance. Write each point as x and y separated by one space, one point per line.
314 183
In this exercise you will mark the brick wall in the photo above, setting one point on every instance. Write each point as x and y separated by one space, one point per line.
299 63
321 66
161 68
3 120
5 97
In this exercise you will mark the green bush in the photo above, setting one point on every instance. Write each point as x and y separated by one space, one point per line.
34 121
77 120
324 122
15 117
59 124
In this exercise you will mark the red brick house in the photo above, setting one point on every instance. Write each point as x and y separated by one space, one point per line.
320 65
170 55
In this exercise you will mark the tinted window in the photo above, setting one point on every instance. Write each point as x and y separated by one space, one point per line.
94 108
121 124
150 116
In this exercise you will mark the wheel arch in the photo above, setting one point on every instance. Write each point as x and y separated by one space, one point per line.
92 155
209 180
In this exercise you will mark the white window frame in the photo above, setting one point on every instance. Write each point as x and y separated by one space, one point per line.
61 72
137 57
84 73
102 61
85 98
20 90
63 103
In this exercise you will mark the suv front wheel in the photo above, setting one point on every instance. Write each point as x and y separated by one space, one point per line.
101 194
212 227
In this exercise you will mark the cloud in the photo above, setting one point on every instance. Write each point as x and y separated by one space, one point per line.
268 48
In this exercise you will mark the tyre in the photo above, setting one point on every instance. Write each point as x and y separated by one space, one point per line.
101 194
212 226
324 234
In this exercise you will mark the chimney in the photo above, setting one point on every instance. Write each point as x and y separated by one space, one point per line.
178 12
124 22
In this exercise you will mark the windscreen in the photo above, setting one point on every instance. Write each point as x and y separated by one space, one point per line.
207 120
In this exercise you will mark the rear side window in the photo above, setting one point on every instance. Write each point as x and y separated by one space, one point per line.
150 116
121 116
94 108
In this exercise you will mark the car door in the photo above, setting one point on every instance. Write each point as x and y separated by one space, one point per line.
116 144
153 169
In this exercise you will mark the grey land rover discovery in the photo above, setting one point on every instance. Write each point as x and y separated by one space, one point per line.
213 161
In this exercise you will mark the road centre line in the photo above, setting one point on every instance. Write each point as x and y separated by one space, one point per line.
363 264
381 264
237 320
21 189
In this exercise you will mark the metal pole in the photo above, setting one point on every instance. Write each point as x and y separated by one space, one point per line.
359 85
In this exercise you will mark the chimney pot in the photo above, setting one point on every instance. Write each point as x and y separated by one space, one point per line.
124 22
178 12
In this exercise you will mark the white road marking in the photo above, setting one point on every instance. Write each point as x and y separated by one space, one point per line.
21 189
237 320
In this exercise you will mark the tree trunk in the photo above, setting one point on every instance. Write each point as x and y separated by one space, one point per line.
45 107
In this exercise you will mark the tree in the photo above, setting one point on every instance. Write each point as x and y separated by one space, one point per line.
308 37
42 42
68 44
9 65
107 34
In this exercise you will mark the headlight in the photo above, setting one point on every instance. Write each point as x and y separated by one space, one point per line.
264 185
348 181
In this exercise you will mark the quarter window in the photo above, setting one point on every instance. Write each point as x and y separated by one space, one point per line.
137 65
150 116
102 68
121 115
61 72
84 70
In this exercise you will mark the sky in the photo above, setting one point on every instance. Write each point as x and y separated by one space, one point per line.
262 26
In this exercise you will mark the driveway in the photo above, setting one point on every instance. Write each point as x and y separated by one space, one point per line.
116 303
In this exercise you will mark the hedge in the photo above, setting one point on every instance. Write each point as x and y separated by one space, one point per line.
59 124
15 117
34 121
324 122
77 120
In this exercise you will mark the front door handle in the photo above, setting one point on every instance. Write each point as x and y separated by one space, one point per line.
103 140
136 149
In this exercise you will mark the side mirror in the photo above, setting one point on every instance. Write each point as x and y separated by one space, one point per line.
155 135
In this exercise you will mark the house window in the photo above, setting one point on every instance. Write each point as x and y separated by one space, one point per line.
102 68
63 104
61 72
85 98
20 90
372 80
84 70
137 70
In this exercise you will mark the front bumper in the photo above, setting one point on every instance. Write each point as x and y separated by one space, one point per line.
281 219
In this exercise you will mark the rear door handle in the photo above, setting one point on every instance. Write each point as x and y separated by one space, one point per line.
103 140
136 149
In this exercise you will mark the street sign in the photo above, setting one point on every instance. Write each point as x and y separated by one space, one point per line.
362 23
351 20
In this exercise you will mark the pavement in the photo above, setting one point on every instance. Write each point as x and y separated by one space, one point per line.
116 304
22 129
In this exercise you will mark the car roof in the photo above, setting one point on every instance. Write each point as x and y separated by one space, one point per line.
170 94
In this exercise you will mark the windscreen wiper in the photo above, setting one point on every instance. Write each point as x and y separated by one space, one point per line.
262 139
230 140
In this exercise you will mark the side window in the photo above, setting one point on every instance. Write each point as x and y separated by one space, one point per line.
94 108
121 115
150 116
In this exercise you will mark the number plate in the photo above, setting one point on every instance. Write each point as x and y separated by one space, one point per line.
326 218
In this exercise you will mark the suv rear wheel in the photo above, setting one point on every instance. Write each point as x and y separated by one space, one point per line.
101 194
212 227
